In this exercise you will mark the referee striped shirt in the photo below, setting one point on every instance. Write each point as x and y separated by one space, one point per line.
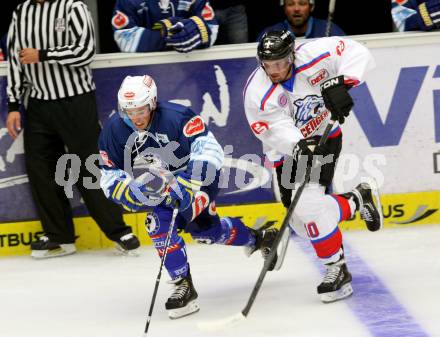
62 31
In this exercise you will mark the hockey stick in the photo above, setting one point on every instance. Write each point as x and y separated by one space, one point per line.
235 319
162 261
331 11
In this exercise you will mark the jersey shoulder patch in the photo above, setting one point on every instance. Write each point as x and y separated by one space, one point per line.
119 20
207 12
194 126
259 127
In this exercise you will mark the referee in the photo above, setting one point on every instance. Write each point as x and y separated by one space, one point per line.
51 44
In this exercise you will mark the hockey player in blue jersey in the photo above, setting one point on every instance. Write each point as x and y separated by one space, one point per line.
156 25
409 15
182 161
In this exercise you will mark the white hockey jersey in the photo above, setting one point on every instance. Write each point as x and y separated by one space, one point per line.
281 114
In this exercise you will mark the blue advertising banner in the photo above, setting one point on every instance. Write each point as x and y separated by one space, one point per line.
211 88
393 133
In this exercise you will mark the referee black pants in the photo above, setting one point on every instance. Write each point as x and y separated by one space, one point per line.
50 126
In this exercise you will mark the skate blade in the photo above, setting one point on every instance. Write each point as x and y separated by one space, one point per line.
284 243
345 291
376 198
65 249
124 252
191 308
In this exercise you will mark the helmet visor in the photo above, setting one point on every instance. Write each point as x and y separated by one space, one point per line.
136 112
277 65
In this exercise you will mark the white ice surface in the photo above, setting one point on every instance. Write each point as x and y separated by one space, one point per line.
100 294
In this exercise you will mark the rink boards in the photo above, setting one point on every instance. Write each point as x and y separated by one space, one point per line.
410 209
393 135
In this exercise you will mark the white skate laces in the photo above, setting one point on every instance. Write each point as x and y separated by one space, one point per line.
180 290
366 215
333 271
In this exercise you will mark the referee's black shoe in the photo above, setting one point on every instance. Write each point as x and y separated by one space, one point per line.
45 248
128 244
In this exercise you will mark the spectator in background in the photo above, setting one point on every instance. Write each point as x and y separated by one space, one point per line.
301 23
61 112
416 14
3 48
152 25
232 19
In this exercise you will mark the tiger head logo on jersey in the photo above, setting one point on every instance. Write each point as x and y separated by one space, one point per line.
309 115
308 108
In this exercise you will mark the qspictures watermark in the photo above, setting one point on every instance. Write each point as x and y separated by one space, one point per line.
243 173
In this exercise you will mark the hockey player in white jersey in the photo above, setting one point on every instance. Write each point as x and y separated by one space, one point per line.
289 100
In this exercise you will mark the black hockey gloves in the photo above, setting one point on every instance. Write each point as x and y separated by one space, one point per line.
336 98
309 147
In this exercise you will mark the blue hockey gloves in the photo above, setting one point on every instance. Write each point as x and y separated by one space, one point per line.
128 194
430 14
188 34
183 189
146 190
165 25
336 98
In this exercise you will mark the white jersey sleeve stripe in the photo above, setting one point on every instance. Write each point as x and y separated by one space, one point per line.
249 81
312 62
267 95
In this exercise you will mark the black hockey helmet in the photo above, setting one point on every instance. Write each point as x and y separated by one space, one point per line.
275 44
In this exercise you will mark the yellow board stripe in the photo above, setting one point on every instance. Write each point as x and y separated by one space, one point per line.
400 210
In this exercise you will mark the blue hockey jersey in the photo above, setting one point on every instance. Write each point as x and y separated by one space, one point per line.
176 140
410 15
133 21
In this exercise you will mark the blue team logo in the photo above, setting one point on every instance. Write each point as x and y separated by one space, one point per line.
152 223
308 108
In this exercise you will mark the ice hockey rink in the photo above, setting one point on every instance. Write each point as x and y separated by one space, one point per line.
396 279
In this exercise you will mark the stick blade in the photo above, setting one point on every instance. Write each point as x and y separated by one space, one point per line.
221 324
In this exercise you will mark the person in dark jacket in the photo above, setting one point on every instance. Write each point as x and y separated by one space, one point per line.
233 21
300 22
51 63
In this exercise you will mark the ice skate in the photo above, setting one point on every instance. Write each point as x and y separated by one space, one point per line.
368 201
183 301
336 284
